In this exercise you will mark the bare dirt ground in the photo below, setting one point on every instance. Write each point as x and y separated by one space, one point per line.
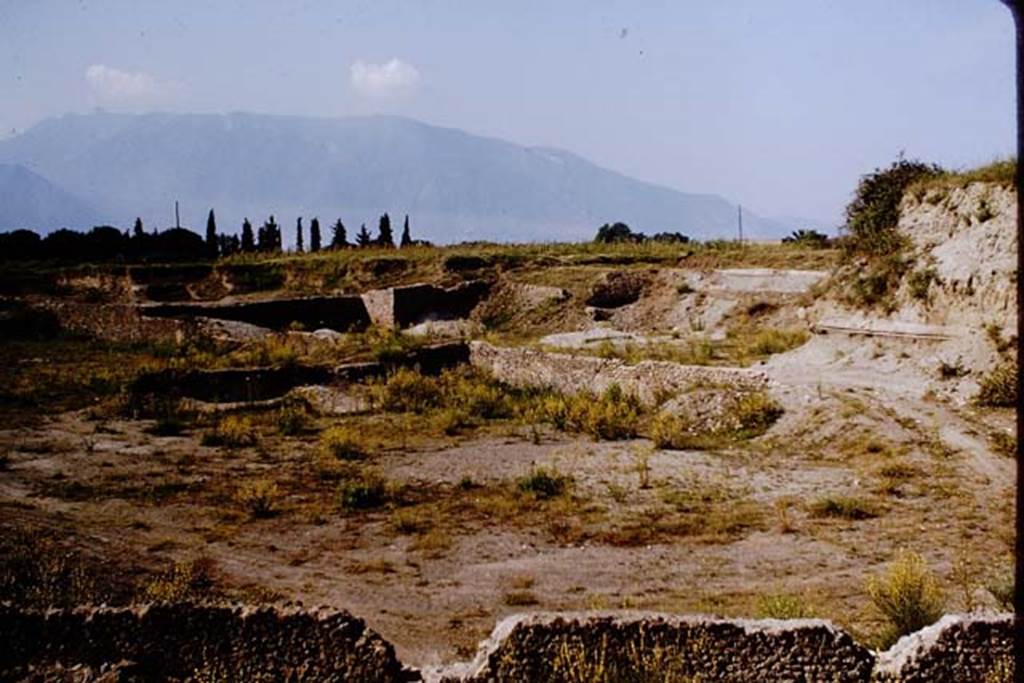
690 531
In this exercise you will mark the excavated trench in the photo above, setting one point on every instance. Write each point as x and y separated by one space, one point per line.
247 385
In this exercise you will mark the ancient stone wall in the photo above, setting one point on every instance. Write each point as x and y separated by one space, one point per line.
182 641
571 374
413 304
637 646
115 322
957 649
341 313
209 642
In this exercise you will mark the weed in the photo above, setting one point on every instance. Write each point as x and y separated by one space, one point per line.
756 412
785 523
233 431
292 420
259 497
781 606
964 576
406 390
410 521
364 489
767 341
343 442
954 370
1003 443
920 281
184 580
543 483
672 432
520 598
908 595
613 415
36 571
1001 589
433 542
642 464
843 507
998 388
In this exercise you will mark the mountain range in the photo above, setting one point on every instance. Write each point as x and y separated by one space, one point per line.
78 170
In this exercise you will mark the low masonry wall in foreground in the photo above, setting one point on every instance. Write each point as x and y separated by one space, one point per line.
182 641
572 374
210 642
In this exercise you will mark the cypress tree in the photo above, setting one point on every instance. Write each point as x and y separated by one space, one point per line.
270 236
248 244
406 237
298 235
385 237
138 231
339 240
211 235
363 238
314 235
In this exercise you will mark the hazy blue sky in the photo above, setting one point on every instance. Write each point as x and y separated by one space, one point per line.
779 104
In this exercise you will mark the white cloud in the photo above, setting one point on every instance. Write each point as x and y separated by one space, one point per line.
125 86
393 77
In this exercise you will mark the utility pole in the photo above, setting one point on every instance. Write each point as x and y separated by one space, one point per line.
177 217
739 219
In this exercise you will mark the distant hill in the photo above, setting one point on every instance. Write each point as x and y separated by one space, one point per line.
28 200
454 185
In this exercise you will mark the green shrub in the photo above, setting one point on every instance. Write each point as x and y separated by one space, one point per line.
1004 444
872 216
843 507
363 490
184 580
1001 589
260 497
406 390
233 431
875 284
343 443
908 595
451 421
613 415
543 483
756 412
672 432
920 281
766 342
998 388
292 420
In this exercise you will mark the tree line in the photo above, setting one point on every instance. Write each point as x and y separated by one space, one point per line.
107 243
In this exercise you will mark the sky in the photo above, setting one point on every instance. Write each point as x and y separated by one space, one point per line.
780 105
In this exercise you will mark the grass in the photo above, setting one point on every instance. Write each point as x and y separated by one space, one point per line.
233 431
261 498
908 595
362 489
782 606
184 580
543 483
1003 444
843 507
611 416
344 442
745 415
292 420
998 388
1000 172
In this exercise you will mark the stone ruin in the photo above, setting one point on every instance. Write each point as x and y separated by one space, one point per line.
216 642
